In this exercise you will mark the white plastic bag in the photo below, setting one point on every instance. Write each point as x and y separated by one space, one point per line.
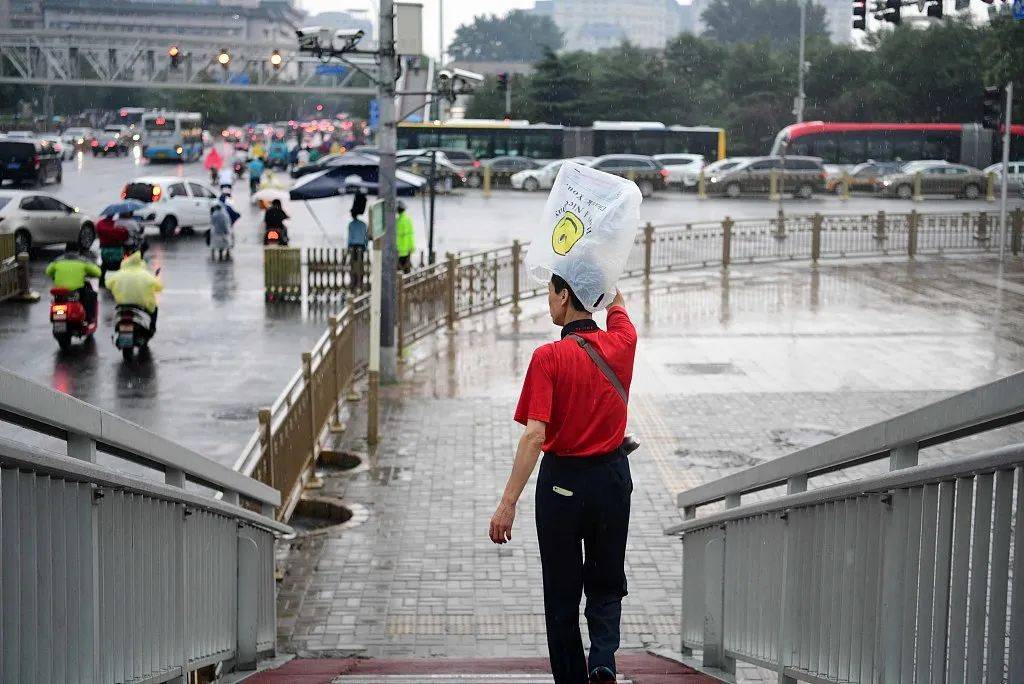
586 232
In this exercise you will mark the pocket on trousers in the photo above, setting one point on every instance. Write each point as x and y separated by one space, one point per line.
621 468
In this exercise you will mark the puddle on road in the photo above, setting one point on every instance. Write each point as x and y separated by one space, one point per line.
716 458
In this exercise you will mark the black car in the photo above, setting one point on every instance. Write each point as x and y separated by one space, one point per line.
320 164
29 162
501 168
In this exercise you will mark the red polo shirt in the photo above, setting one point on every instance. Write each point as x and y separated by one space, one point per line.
566 390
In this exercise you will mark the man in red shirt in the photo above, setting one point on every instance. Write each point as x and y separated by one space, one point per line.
575 414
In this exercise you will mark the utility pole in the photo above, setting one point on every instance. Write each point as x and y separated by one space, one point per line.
508 98
387 141
1006 169
798 110
440 33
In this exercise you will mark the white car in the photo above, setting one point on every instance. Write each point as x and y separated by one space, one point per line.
683 169
691 178
36 218
172 202
543 178
1015 177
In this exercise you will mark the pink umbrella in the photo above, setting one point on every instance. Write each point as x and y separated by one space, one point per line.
213 160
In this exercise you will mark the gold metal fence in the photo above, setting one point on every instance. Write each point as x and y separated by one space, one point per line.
291 430
282 273
8 267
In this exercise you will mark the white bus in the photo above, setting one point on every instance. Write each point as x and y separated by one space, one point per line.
172 136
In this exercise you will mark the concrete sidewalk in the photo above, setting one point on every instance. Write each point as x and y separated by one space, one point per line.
731 370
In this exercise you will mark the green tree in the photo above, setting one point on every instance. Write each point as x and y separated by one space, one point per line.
693 67
633 83
746 21
559 87
519 36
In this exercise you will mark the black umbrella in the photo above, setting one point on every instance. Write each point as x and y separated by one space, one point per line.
340 179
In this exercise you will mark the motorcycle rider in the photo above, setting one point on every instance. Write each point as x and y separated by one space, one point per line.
135 285
255 174
112 245
274 219
70 271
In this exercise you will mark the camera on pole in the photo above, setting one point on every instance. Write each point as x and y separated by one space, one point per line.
992 108
860 15
454 82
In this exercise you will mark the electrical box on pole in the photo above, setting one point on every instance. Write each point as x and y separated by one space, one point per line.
860 15
408 28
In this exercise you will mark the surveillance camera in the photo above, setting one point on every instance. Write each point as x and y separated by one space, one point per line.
314 38
468 76
346 39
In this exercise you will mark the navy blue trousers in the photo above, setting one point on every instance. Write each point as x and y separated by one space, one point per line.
582 524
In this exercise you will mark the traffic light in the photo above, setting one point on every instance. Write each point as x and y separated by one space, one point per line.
934 8
860 15
224 58
319 108
893 12
175 56
276 60
992 108
503 81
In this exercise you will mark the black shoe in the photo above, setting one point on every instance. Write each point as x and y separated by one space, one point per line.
602 674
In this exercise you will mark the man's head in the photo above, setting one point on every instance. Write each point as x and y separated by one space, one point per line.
276 203
400 206
563 303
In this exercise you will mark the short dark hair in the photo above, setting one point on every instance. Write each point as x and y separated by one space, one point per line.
558 282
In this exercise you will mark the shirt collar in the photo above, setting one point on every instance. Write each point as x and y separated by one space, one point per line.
578 326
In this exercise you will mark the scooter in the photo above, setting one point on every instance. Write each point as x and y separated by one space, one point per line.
133 329
275 236
68 319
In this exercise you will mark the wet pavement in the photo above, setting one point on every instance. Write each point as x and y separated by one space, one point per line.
221 353
731 370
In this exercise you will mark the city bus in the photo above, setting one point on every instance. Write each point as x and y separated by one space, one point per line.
130 116
493 138
172 136
852 143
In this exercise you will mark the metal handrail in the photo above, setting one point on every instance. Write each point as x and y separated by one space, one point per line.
86 427
983 408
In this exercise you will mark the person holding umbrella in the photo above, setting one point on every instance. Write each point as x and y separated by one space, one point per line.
114 236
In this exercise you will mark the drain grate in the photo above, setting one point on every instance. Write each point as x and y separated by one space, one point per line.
704 368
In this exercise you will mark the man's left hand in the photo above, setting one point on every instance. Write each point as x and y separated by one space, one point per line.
501 523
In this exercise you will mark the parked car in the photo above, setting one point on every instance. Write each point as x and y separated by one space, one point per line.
543 178
1015 177
801 176
20 135
648 174
418 162
938 177
38 219
320 164
77 137
107 143
683 169
502 169
692 178
862 176
464 159
31 162
172 202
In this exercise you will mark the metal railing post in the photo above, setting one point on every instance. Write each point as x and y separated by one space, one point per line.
773 185
904 456
307 378
176 478
727 224
816 222
400 322
780 226
517 250
267 442
880 227
702 186
25 291
912 234
450 291
785 616
648 247
982 234
487 181
81 447
990 187
888 641
335 323
1016 229
714 604
247 602
917 196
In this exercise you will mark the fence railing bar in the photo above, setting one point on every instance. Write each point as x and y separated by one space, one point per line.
988 461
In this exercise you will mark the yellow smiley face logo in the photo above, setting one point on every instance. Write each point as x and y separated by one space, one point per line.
567 233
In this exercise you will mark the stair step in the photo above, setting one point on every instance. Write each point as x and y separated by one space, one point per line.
504 678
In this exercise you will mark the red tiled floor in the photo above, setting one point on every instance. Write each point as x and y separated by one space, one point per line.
641 668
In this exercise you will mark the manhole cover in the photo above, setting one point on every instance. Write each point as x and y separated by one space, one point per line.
704 368
801 436
316 514
716 458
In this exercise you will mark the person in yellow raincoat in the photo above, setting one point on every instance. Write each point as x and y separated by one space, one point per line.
135 285
405 238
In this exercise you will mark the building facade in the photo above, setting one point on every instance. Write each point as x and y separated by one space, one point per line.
232 20
593 25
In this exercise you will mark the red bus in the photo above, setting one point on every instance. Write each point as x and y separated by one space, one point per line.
852 143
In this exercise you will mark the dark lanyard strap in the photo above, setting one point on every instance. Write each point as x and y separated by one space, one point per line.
603 366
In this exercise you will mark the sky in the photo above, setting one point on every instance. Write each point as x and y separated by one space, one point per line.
456 12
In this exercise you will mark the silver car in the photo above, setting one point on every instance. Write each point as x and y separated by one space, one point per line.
937 178
37 219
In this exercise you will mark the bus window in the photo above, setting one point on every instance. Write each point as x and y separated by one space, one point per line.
826 147
851 149
481 143
878 147
449 141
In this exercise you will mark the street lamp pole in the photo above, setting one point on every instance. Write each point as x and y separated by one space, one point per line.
387 141
799 109
1006 168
